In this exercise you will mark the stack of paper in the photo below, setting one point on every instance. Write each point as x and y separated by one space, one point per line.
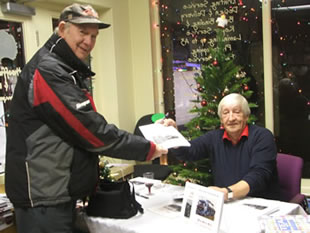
285 224
6 212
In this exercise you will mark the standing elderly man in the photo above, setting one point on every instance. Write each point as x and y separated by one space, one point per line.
242 156
55 134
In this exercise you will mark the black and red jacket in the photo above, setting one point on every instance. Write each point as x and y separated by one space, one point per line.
54 133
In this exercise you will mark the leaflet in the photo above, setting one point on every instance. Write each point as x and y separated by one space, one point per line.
203 205
166 136
285 224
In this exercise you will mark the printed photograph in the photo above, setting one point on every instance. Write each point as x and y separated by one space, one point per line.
205 208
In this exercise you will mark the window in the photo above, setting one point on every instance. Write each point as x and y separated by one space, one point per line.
186 33
291 75
188 30
12 59
11 63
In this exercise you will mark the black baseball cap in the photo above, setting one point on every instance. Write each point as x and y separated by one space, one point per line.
81 14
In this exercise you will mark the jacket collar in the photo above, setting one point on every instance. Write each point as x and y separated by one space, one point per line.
60 47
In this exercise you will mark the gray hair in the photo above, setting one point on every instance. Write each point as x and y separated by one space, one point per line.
67 24
237 98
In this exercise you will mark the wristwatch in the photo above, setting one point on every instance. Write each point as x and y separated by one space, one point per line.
230 194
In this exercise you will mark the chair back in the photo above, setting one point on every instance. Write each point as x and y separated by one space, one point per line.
290 174
161 172
144 120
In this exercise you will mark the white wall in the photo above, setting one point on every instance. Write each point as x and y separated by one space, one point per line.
123 62
140 32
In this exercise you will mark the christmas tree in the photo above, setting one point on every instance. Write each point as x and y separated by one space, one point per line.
219 76
104 170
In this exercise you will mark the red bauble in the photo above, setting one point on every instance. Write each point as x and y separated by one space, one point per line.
246 87
203 103
215 63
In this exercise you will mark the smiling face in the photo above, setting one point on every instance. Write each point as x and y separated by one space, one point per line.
233 118
80 37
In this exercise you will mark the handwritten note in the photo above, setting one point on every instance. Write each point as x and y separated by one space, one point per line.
8 79
199 20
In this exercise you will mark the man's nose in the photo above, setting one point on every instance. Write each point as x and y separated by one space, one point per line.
88 40
231 116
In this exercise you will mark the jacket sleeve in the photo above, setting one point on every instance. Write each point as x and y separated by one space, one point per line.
69 111
200 149
262 169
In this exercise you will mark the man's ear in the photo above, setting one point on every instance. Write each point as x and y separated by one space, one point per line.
61 28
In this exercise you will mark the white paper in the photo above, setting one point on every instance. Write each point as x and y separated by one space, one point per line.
285 224
165 136
203 205
171 210
258 207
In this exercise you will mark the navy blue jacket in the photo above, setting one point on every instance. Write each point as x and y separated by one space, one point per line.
253 160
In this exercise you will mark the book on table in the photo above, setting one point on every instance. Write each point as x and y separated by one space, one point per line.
203 205
285 224
6 212
166 136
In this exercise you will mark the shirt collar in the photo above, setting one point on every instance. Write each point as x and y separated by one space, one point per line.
245 133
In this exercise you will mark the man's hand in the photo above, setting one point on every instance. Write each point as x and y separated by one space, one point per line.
159 152
167 122
240 190
223 190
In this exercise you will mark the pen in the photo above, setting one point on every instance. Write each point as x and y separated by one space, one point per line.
165 117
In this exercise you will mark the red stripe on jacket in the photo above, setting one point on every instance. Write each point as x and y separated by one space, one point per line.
43 93
151 151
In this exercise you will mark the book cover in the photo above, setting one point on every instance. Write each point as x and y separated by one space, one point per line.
166 136
285 224
203 205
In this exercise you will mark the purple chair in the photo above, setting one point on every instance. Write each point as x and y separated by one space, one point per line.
290 174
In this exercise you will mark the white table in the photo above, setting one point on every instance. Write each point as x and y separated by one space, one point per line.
234 218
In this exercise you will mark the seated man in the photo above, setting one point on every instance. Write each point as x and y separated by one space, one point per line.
242 156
